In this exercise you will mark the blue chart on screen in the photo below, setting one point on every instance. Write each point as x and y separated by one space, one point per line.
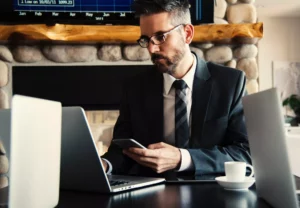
73 5
115 12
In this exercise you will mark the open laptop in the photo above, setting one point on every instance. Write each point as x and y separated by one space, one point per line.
265 125
81 167
32 129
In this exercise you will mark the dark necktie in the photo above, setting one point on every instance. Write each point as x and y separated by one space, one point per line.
181 122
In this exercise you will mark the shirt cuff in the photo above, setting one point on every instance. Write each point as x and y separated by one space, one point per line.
109 169
186 161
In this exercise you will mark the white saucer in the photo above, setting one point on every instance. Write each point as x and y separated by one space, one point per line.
235 186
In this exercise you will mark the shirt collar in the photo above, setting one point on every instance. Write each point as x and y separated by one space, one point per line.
188 78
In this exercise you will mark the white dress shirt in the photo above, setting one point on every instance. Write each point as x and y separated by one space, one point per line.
169 112
169 115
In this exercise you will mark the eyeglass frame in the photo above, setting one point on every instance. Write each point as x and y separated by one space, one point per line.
164 36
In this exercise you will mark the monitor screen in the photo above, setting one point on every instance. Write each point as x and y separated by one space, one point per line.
116 12
76 11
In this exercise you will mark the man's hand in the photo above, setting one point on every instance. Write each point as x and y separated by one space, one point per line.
159 156
104 165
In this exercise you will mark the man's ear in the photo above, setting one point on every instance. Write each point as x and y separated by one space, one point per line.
189 33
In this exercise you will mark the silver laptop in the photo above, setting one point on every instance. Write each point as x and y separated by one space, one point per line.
81 167
265 125
32 129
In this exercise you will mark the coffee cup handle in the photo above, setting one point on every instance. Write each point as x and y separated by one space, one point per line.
252 171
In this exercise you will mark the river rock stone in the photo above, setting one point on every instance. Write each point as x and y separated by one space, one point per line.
136 53
110 53
3 100
241 13
197 51
252 86
204 46
245 51
220 8
249 66
219 54
5 54
220 21
3 74
231 1
70 53
27 54
3 164
3 181
231 63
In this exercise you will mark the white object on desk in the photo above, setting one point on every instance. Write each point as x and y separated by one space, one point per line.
236 170
35 152
235 186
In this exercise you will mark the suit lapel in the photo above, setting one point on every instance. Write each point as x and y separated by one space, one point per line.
202 88
154 108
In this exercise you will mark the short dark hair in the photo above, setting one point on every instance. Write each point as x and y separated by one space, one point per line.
179 9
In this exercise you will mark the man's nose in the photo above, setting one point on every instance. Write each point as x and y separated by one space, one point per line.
152 48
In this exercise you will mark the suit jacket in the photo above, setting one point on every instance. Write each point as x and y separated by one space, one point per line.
218 132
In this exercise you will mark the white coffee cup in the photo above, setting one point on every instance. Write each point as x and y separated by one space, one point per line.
236 171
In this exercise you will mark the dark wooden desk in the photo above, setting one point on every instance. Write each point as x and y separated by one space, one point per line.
200 195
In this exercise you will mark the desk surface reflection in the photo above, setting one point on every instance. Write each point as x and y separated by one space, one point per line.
166 195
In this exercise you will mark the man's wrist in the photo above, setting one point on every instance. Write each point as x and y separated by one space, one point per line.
186 161
180 160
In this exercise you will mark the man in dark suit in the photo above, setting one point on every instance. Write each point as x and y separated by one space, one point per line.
186 111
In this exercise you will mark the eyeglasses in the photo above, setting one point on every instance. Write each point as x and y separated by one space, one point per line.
156 39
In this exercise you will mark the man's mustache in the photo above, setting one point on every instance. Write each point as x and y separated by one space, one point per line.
157 56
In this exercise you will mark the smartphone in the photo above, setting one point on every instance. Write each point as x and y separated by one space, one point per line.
127 143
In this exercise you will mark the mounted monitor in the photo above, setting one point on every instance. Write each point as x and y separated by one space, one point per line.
116 12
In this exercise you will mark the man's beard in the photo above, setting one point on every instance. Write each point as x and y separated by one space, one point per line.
167 64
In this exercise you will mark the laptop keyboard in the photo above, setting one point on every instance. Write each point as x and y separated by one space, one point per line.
116 183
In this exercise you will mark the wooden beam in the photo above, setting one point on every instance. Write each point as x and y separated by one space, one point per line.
215 32
114 33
